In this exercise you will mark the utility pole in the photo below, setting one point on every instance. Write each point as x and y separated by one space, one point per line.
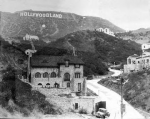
122 80
1 49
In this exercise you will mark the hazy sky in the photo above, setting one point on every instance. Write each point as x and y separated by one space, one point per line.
127 14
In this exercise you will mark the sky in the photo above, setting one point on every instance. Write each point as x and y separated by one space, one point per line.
127 14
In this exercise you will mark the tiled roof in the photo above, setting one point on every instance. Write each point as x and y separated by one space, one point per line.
71 59
53 61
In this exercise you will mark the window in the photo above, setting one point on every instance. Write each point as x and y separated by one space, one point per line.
53 74
147 60
37 75
68 85
129 61
138 61
133 62
66 77
59 73
77 66
66 63
77 75
76 106
79 86
45 75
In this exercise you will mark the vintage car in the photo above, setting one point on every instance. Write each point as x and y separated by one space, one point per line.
102 113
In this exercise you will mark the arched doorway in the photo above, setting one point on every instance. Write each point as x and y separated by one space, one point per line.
48 85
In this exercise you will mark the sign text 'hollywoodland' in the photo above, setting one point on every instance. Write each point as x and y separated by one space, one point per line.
36 14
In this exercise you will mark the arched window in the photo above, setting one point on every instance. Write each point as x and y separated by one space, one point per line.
37 75
40 85
45 75
53 74
66 77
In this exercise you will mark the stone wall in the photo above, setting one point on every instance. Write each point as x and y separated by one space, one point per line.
52 91
68 104
85 103
62 102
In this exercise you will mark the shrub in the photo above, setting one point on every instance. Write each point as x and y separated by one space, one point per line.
82 111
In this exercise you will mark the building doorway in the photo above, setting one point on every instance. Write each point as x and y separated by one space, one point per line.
101 104
76 106
79 87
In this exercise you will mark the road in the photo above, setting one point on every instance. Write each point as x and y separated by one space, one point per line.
116 72
113 100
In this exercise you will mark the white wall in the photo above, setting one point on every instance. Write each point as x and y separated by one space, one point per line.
100 29
72 70
42 80
145 46
140 63
106 30
60 80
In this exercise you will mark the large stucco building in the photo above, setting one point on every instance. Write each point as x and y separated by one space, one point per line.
58 72
63 83
138 63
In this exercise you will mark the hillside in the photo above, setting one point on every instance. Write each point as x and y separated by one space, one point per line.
97 50
18 99
140 35
136 90
104 50
141 30
48 25
12 55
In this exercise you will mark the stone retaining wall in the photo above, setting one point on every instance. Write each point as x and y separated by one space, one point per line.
52 91
68 104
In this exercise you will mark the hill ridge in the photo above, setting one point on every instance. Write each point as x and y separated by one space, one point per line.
43 24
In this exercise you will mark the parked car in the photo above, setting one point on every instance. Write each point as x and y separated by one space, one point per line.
90 77
102 113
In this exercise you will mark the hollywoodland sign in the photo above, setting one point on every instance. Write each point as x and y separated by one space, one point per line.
36 14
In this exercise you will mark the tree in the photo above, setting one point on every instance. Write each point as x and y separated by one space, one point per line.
9 74
9 77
